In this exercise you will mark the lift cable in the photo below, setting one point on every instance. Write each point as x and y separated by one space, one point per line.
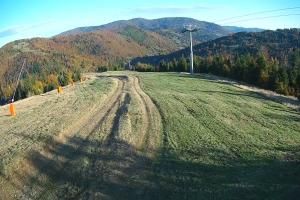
256 13
18 80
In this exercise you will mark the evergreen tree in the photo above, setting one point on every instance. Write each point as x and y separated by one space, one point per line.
175 65
263 71
281 81
182 64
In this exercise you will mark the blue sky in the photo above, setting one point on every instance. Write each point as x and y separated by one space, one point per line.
45 18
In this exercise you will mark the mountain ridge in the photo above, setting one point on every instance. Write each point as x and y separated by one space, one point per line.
147 23
208 30
110 45
270 43
268 59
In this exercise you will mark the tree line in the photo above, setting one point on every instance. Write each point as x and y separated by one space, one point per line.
37 79
258 70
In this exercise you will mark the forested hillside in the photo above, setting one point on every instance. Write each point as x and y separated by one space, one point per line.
71 54
169 28
269 59
98 48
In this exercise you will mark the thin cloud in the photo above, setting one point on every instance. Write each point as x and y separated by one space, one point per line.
8 32
24 28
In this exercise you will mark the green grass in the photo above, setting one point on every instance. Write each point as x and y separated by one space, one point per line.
222 142
218 142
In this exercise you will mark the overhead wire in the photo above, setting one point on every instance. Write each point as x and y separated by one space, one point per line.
256 13
18 80
266 17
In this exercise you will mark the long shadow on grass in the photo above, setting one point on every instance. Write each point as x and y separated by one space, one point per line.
86 169
118 171
235 179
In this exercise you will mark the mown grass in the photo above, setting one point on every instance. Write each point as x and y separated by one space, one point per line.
218 142
45 117
222 142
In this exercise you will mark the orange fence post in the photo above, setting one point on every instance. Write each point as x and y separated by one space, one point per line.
12 109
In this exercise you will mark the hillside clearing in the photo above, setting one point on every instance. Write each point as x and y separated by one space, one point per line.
126 135
223 142
289 101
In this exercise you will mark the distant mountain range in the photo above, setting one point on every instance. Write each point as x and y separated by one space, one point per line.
268 59
169 28
279 45
106 45
111 43
235 29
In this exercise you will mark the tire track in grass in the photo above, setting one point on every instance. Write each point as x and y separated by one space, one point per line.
85 131
62 136
76 155
132 165
108 113
21 142
26 140
152 119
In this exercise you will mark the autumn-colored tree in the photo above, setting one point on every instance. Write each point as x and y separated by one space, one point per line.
51 82
37 87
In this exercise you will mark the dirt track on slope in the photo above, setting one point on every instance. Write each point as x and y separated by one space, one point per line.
105 153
